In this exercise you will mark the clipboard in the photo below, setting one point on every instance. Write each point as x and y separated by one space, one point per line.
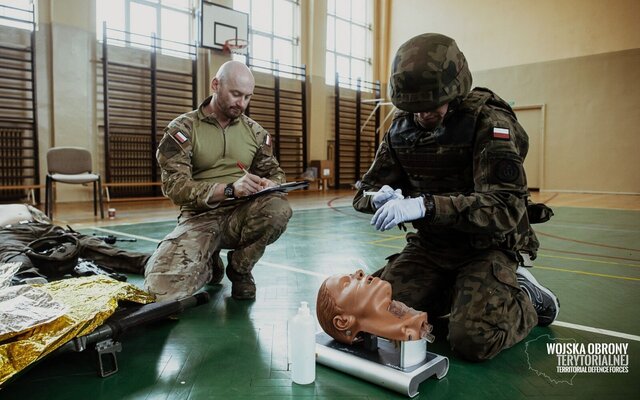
282 188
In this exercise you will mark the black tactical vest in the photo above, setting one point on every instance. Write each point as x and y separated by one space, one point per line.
441 161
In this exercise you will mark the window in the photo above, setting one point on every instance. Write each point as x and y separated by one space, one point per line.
349 40
171 21
17 14
274 31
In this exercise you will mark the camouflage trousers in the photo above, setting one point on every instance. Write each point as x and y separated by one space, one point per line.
488 310
183 261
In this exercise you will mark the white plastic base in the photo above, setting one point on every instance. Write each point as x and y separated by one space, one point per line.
381 367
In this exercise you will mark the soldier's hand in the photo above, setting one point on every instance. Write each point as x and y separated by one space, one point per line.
397 211
267 183
247 185
385 194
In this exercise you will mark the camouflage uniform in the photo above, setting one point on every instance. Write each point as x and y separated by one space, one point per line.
14 239
183 261
463 257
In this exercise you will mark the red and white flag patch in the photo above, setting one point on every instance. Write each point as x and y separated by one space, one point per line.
180 137
267 141
501 133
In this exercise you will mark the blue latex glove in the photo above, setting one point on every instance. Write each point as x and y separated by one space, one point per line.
385 194
397 211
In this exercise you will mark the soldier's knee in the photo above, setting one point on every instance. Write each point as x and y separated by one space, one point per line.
160 286
474 344
278 210
174 285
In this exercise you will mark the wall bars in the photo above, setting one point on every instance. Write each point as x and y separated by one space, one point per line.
279 106
19 165
144 87
357 121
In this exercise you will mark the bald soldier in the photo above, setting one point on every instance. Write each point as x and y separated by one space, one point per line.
199 156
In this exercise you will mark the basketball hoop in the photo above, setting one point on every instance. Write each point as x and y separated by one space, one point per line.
235 46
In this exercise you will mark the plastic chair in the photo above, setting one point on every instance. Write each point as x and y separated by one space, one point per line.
71 165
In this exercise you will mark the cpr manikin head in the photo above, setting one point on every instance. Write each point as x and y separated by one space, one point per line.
351 304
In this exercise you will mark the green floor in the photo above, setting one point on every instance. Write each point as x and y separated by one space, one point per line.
238 350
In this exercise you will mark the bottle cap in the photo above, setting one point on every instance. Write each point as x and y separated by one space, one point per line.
304 308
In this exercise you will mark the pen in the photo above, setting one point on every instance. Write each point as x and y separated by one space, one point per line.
241 166
367 193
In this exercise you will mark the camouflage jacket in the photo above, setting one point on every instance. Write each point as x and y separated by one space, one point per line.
472 166
188 180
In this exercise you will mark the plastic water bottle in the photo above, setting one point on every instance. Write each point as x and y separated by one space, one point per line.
302 346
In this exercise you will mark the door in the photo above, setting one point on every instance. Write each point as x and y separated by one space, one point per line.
532 120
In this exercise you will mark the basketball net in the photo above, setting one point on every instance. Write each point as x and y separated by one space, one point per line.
235 46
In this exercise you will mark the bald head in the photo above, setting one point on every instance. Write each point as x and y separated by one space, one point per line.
232 89
234 70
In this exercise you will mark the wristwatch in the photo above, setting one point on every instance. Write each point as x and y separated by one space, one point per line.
229 192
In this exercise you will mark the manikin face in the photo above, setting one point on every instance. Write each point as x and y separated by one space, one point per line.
350 304
432 118
232 94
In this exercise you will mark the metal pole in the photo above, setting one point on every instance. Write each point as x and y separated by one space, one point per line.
358 124
154 111
377 120
337 132
105 94
194 80
277 108
34 106
303 91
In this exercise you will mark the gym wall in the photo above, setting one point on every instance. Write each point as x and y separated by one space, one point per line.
580 59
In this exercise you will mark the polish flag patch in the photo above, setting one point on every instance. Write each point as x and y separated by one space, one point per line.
267 141
180 137
501 133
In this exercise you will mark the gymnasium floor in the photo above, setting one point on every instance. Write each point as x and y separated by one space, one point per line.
228 349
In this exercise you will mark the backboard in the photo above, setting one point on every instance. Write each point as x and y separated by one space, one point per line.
219 24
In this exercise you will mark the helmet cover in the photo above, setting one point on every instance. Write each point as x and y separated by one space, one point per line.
429 70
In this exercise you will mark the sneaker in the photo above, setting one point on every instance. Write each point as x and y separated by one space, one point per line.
243 287
217 269
545 303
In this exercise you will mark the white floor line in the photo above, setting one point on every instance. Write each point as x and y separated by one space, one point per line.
294 269
318 274
597 330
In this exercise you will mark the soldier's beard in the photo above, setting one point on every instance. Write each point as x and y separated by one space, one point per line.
233 112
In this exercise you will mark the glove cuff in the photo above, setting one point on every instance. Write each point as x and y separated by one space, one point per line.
429 207
419 201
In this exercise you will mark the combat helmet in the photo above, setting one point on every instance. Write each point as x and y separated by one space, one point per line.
428 71
54 256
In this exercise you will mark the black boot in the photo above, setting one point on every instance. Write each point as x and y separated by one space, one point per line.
243 287
217 269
